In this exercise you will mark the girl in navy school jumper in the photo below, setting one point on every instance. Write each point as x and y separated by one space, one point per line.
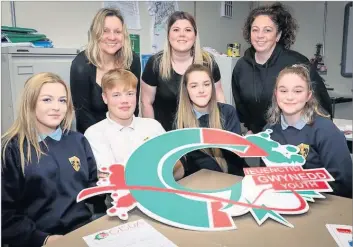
44 167
198 108
295 119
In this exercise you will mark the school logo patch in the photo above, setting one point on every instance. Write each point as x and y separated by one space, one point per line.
304 149
75 162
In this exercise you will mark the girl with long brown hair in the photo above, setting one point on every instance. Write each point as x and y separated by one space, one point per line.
44 167
296 118
198 107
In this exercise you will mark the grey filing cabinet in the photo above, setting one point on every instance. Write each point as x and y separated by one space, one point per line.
18 64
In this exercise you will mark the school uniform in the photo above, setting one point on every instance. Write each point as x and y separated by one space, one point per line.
41 201
323 145
253 84
197 160
113 143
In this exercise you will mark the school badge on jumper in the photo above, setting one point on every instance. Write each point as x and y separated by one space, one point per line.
75 162
304 149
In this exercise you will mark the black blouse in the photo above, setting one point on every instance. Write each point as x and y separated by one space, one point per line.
87 94
165 103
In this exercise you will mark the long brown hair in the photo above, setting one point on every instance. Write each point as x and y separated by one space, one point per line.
24 127
185 117
165 57
123 56
311 107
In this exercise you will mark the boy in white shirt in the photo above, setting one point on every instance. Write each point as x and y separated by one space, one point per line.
115 138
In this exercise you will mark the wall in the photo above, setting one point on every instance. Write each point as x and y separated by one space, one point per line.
67 23
216 31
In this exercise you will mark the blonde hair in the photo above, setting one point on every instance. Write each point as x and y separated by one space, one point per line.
124 56
119 77
165 56
24 127
311 107
185 117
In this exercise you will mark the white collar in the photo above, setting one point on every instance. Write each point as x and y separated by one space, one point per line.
119 126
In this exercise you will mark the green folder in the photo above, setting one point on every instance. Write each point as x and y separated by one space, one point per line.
15 38
17 29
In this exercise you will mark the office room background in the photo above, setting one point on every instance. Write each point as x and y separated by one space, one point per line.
67 23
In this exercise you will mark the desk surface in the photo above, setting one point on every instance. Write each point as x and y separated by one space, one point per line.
309 229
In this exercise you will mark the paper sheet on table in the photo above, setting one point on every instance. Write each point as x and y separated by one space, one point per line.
129 10
133 234
342 234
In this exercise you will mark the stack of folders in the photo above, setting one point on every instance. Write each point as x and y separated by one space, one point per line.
19 36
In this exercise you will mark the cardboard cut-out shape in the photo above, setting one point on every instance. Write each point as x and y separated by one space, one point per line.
147 182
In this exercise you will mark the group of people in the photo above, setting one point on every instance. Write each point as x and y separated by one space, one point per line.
45 164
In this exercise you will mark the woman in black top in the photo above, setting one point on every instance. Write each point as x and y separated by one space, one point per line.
198 108
108 48
270 30
162 74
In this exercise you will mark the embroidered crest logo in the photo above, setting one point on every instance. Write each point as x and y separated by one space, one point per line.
304 149
75 162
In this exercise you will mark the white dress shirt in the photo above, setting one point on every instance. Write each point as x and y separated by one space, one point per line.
113 143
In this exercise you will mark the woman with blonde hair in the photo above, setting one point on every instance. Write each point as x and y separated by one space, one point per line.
108 48
198 107
44 167
162 75
296 118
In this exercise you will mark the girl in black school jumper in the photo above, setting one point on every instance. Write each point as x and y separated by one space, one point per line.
198 108
296 119
44 167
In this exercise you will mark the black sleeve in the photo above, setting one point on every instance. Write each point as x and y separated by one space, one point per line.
16 227
320 90
216 73
149 74
232 124
238 101
231 119
136 70
80 86
188 164
96 201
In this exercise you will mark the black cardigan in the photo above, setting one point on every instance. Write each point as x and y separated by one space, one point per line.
87 94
